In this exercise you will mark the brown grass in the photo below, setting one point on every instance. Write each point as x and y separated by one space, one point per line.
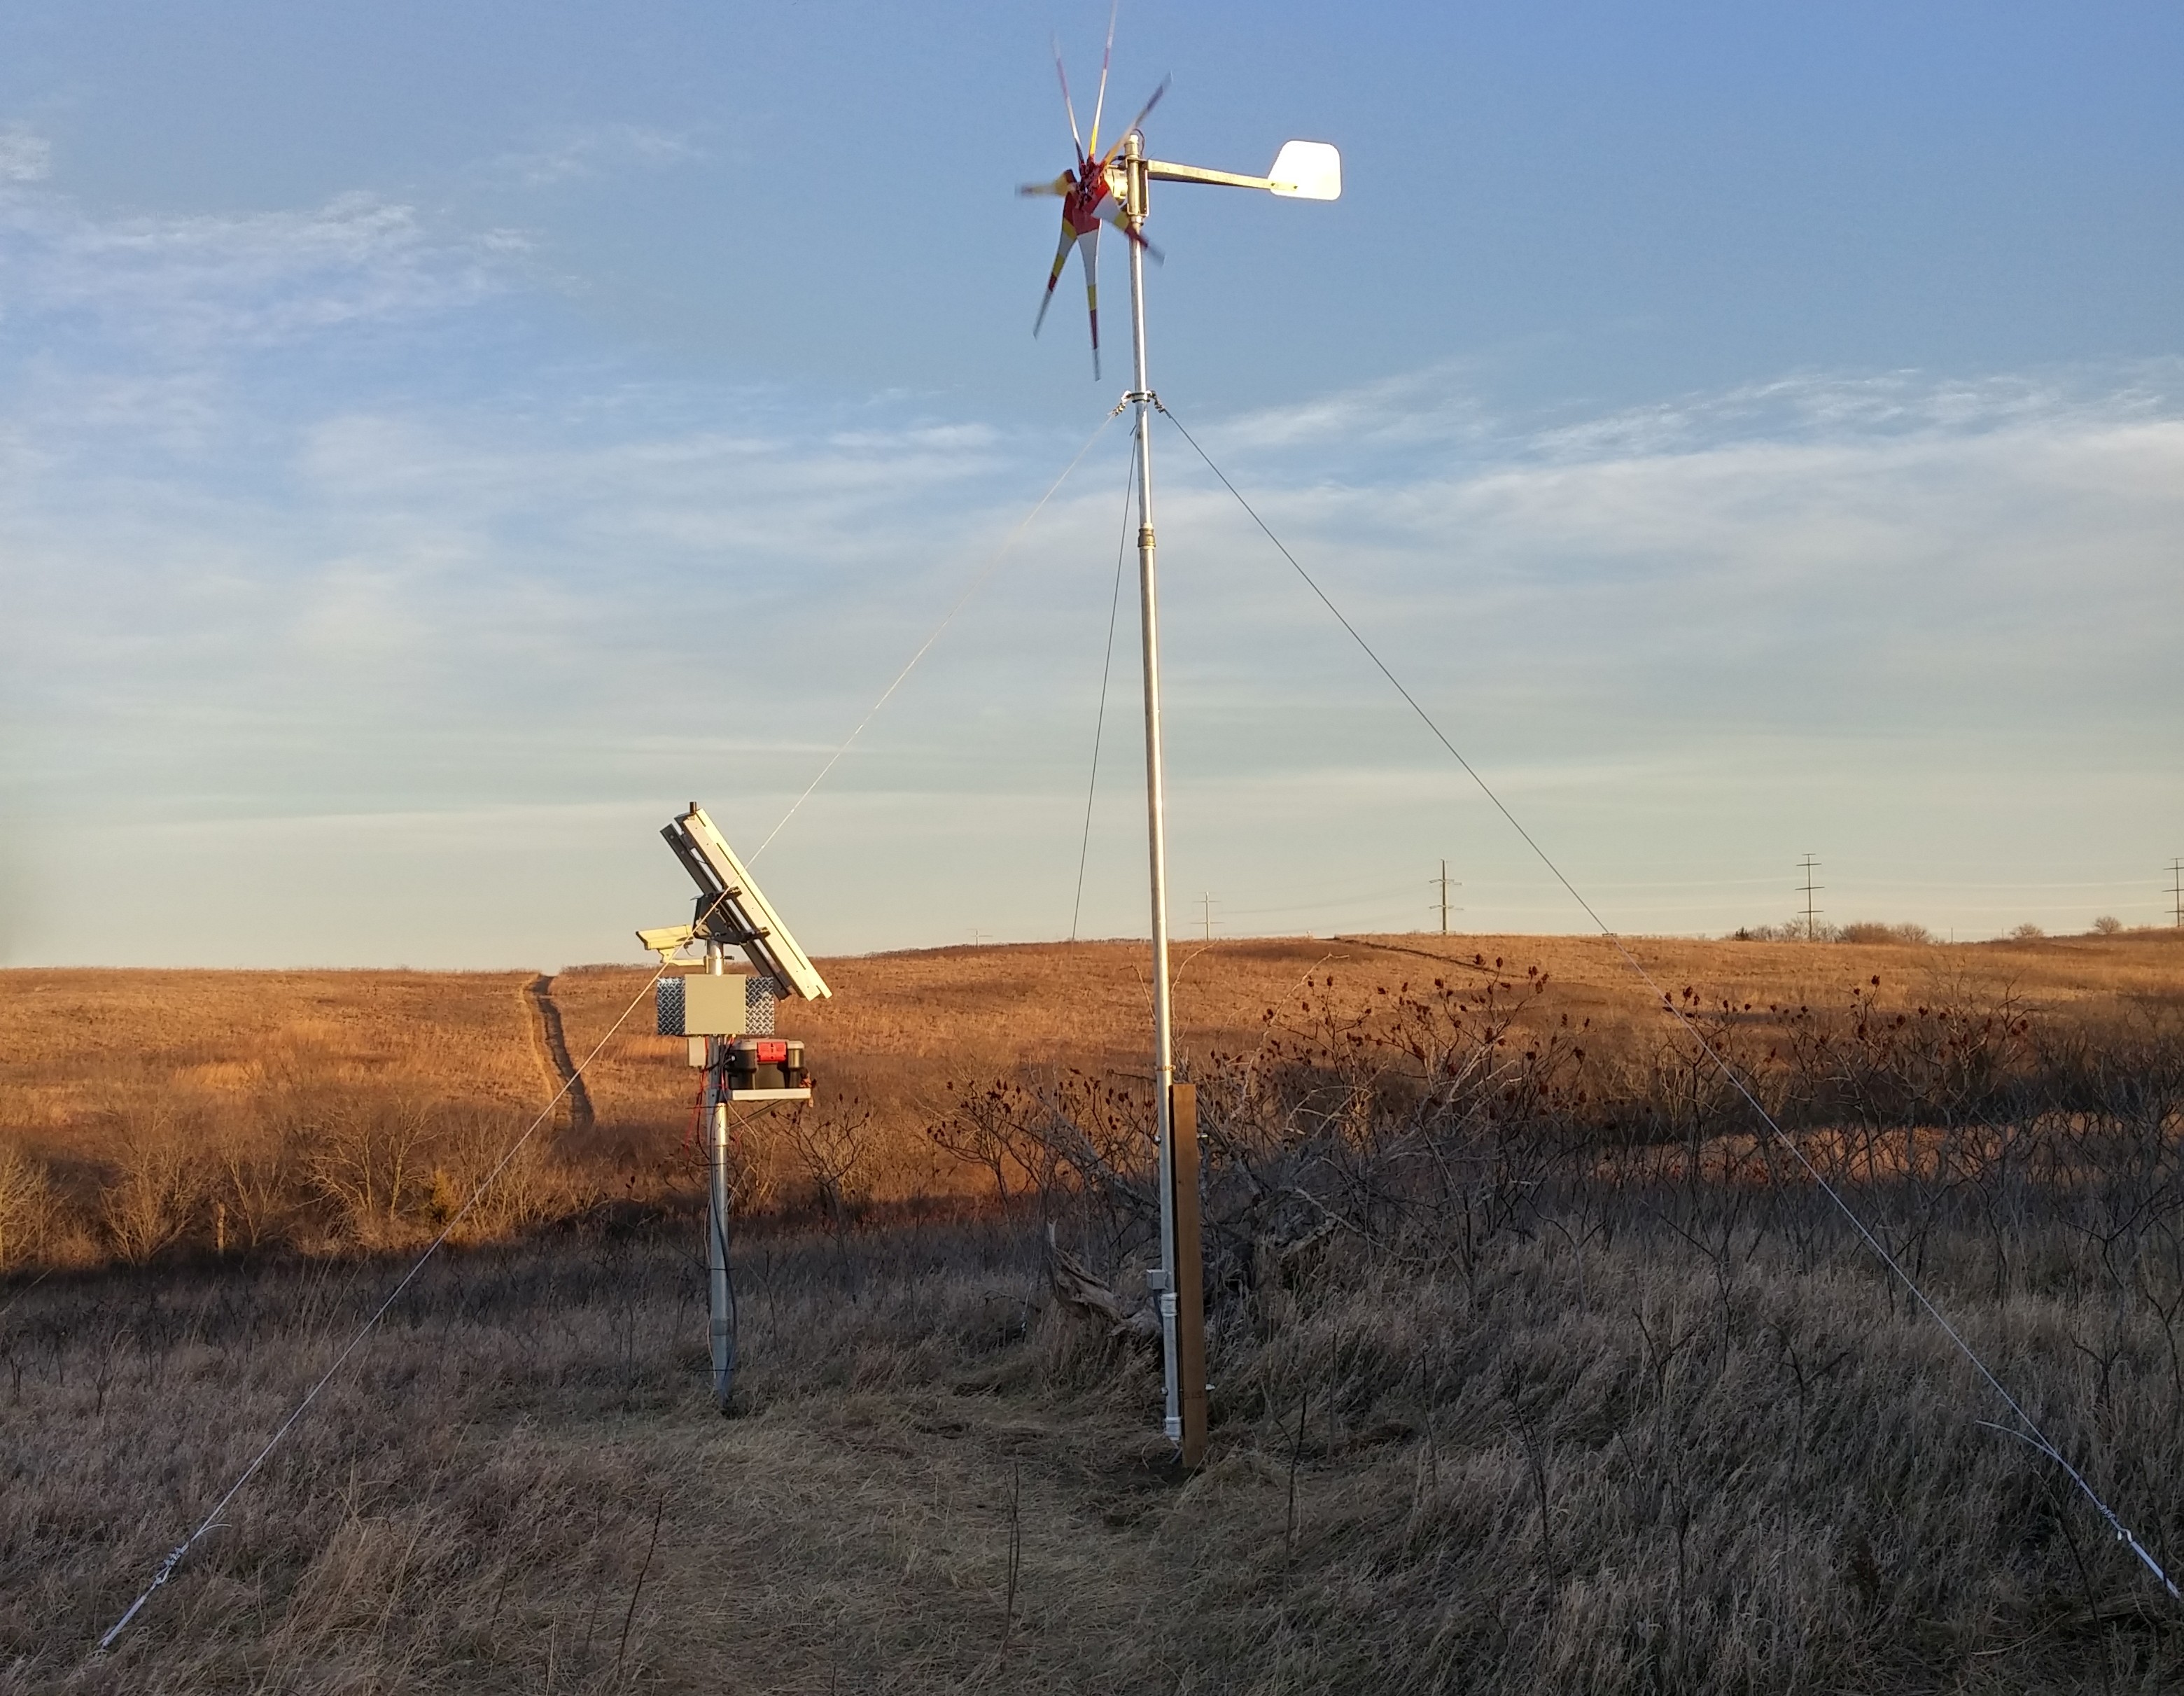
1533 1376
1597 1460
902 1025
153 1110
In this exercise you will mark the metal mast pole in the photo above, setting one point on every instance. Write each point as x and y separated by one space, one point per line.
722 1327
1141 396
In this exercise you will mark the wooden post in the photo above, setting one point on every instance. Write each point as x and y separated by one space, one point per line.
1189 1272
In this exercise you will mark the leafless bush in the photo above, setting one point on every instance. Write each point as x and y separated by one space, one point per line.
2028 932
1795 929
2108 925
161 1178
368 1157
1874 930
528 1187
1438 1107
256 1184
829 1142
1070 1139
26 1204
1424 1126
985 1127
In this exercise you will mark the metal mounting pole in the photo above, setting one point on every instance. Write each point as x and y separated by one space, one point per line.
719 1302
1141 396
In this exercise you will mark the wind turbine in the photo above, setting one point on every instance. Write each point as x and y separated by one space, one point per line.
1114 187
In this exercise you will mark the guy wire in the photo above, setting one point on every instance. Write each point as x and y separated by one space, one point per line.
176 1555
2031 1435
1106 668
993 563
211 1521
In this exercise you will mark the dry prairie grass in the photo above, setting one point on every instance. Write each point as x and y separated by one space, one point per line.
1659 1448
143 1112
903 1025
1532 1369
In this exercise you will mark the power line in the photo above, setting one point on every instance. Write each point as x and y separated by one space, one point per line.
2176 890
1206 914
1809 889
2031 1433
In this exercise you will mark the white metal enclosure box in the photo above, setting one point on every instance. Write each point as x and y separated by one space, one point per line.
702 1006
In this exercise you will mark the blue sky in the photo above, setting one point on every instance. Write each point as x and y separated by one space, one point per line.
437 442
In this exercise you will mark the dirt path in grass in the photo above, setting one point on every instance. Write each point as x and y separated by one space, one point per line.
575 1105
909 1543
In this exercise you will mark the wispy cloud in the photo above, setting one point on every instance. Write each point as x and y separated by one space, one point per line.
186 288
25 155
594 153
1889 607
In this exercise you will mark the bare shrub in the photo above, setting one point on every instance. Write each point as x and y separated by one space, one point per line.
256 1181
161 1180
2028 932
2108 925
982 1129
368 1156
1436 1108
1072 1141
1793 929
829 1142
1425 1126
1070 1131
527 1187
1872 930
26 1205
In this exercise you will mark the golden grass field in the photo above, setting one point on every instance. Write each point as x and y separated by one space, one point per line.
93 1061
94 1058
1592 1415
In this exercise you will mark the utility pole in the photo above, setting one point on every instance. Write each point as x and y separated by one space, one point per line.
1205 913
1447 884
2176 890
1809 889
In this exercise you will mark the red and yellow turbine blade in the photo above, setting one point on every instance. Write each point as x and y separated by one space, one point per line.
1088 246
1054 276
1120 220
